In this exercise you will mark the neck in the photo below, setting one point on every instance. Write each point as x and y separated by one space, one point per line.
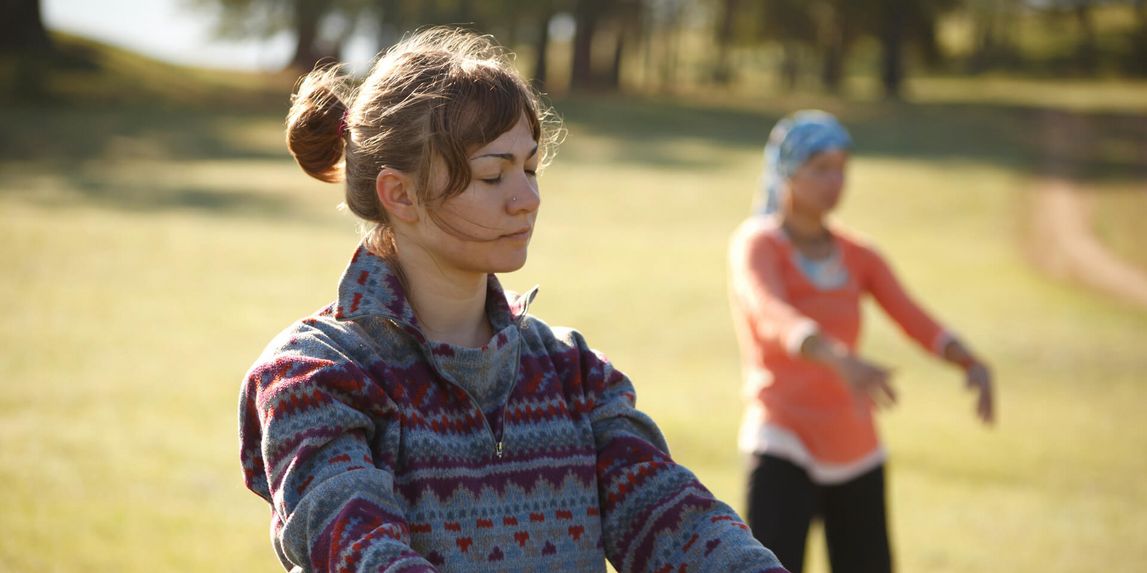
450 304
804 227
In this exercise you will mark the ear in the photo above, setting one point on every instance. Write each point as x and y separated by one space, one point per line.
395 190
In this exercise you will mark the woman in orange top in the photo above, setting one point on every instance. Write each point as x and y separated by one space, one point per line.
796 282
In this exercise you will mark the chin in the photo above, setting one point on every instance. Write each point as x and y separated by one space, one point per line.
507 264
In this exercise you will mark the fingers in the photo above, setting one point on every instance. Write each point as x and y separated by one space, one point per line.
985 408
880 387
876 390
887 393
979 378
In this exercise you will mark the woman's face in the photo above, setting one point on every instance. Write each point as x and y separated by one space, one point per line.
487 228
816 187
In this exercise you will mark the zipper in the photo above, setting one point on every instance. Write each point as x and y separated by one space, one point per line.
496 437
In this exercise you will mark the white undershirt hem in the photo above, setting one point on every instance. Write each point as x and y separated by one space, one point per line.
776 441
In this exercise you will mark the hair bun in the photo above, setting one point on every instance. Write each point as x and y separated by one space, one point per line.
316 124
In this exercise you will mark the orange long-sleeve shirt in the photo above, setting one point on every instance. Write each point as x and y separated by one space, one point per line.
798 408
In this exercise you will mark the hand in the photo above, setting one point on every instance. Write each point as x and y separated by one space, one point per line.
869 381
978 377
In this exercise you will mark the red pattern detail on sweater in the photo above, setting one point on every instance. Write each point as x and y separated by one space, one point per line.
464 543
691 541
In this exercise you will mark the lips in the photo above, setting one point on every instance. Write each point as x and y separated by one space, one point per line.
519 234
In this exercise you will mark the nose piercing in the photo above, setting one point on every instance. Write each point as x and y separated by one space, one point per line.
514 198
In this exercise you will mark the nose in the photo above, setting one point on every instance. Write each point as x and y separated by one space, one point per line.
524 196
835 180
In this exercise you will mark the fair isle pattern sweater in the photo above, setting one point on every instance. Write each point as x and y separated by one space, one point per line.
374 458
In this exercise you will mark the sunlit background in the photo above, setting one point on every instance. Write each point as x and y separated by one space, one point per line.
155 234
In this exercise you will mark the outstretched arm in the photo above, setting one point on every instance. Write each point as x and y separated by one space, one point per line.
656 516
918 325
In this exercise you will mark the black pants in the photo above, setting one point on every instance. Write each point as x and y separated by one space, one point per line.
783 501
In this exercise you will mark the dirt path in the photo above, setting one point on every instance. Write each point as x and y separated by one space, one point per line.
1062 241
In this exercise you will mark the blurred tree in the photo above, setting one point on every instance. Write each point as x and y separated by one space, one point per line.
790 23
662 35
603 27
27 54
627 25
1086 58
304 18
22 28
544 14
901 24
837 32
993 42
1137 56
1086 51
722 67
587 14
307 16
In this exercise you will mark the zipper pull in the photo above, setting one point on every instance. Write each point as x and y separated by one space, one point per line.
499 449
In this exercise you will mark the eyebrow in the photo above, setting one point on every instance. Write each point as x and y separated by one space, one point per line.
505 156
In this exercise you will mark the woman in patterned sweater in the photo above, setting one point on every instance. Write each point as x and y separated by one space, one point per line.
424 421
796 283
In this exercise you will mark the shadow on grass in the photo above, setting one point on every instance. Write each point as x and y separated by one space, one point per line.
64 142
1008 136
81 190
656 133
61 137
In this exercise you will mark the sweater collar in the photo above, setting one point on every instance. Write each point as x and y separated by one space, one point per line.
371 287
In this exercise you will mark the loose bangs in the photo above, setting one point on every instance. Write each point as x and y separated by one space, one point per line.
481 103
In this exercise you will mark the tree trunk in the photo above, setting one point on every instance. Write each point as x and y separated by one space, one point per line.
832 74
307 17
24 39
587 14
22 28
790 67
892 47
542 44
628 16
1087 50
722 68
986 38
1136 59
614 80
671 43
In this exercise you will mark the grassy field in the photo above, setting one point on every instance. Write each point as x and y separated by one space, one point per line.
151 250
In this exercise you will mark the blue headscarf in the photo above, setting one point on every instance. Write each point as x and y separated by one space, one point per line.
793 141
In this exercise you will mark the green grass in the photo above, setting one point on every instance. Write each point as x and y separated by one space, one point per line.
150 251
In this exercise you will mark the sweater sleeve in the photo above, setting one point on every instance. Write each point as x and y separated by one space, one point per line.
759 291
307 418
900 306
656 515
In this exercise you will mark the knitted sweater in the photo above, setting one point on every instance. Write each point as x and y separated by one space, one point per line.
374 458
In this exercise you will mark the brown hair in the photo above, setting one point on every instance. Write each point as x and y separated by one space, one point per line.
436 95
